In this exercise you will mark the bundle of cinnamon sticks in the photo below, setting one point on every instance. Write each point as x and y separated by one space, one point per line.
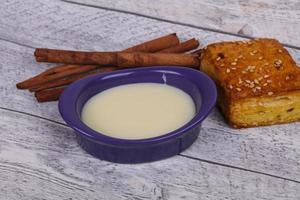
48 85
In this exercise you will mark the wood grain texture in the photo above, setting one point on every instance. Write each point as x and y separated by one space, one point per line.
17 62
39 159
272 150
55 24
252 148
42 160
272 18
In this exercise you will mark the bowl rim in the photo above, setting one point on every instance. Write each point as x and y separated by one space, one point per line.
68 100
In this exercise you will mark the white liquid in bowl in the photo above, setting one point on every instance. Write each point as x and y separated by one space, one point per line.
138 111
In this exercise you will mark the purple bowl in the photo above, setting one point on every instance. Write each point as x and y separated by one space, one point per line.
198 85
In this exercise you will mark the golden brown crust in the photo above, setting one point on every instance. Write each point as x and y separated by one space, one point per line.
249 69
253 68
265 110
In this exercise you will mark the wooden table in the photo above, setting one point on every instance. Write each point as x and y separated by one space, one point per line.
39 156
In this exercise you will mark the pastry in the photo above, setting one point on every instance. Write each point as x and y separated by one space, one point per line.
258 81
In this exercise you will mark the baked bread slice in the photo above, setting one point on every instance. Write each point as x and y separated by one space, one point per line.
258 81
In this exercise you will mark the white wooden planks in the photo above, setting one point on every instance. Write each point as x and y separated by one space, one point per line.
272 18
42 160
39 159
19 64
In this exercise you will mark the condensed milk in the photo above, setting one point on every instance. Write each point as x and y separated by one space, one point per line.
138 111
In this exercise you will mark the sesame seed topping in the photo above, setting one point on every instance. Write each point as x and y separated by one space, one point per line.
238 89
260 78
240 81
266 63
279 50
240 56
266 76
249 42
255 51
258 88
270 93
251 53
230 86
244 41
233 68
222 65
254 89
269 81
233 63
227 70
260 58
265 84
287 77
250 68
244 72
236 60
278 63
249 84
218 58
256 81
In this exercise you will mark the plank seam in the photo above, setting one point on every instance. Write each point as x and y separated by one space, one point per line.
17 43
239 168
33 115
181 155
171 21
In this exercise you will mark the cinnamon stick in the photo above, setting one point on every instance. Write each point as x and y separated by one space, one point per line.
43 93
112 58
149 46
76 57
122 60
70 79
168 44
43 79
58 69
179 48
49 94
155 59
54 93
182 47
155 45
128 59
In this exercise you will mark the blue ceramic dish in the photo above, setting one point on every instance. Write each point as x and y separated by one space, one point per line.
198 85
